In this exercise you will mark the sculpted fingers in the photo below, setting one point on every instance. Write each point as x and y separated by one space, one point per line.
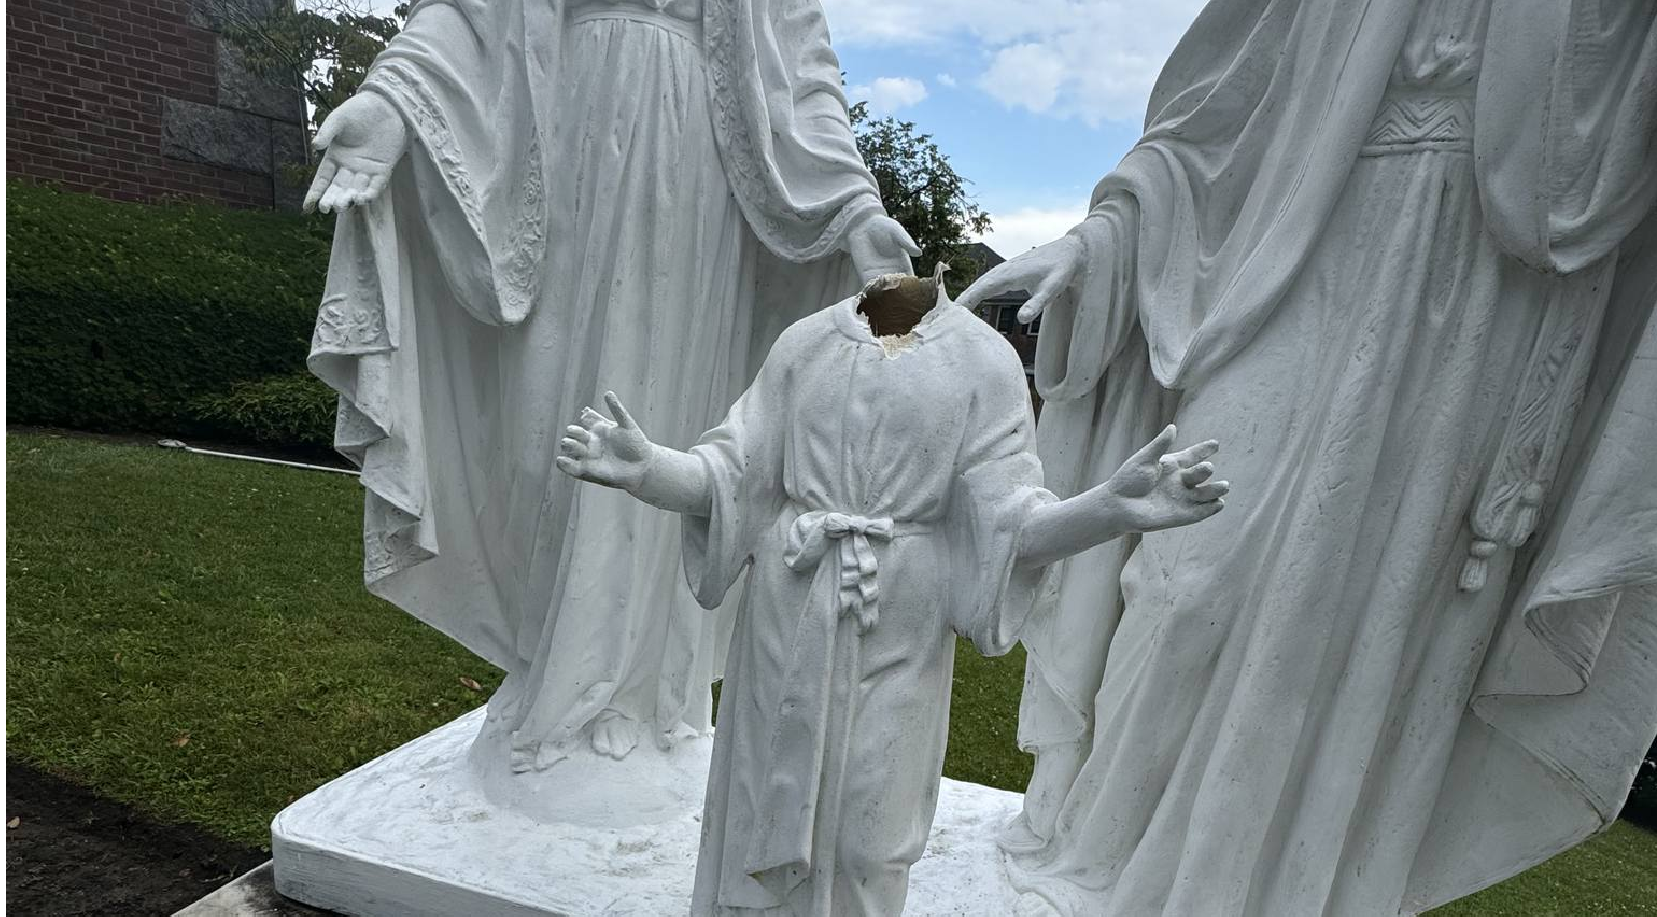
1157 448
1049 288
1194 454
570 449
1196 474
907 243
994 281
1210 492
358 192
1053 284
333 199
376 185
324 178
327 132
619 412
900 238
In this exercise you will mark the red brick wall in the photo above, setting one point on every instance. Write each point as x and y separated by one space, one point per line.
86 81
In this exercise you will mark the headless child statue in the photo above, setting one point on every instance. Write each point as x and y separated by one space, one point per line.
879 482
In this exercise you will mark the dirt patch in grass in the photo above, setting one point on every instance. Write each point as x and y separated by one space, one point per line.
75 853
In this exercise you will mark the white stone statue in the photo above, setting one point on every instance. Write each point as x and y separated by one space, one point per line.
878 482
535 194
1400 257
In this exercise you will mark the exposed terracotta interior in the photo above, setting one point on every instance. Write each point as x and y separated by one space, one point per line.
896 307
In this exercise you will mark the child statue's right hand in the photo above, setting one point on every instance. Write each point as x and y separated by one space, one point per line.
614 453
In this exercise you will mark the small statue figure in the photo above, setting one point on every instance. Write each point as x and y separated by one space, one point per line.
878 480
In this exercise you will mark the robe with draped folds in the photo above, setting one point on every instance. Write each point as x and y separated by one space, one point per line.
875 492
609 193
1399 258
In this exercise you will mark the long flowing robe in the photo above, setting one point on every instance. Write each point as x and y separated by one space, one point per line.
876 494
612 193
1391 254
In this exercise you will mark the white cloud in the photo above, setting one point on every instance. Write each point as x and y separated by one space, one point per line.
1015 232
946 80
889 94
1024 75
1094 60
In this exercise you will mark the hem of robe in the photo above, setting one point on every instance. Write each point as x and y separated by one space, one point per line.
1569 677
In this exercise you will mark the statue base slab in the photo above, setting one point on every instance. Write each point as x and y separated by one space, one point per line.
416 833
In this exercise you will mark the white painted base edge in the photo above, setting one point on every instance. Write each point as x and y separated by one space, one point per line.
413 834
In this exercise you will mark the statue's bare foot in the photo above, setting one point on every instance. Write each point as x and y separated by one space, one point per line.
614 735
1035 906
521 760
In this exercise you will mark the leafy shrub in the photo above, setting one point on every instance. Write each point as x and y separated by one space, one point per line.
291 410
121 316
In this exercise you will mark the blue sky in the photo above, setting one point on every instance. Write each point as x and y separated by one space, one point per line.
1032 100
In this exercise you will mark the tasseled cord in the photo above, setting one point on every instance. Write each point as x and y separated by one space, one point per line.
1475 571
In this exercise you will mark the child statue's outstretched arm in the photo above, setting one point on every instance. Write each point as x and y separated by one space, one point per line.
616 453
1153 490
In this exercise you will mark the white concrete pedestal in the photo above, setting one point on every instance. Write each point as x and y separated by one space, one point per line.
412 834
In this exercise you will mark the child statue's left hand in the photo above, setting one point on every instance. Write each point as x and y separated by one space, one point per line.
1157 490
615 453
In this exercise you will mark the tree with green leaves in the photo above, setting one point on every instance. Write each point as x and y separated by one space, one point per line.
923 192
321 49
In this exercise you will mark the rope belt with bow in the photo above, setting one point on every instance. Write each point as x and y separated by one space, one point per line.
809 540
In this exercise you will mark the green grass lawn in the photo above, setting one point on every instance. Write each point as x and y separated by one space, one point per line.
190 635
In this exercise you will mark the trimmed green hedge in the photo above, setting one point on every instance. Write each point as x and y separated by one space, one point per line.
292 410
124 317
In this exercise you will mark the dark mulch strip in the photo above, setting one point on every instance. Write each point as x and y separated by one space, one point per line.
75 854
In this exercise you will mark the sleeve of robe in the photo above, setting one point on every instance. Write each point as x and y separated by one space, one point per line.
783 125
743 458
418 283
998 484
1567 115
459 75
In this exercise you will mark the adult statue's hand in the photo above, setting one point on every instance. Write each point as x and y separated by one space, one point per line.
1043 272
364 138
880 245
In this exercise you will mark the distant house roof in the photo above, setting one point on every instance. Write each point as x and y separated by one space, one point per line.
985 256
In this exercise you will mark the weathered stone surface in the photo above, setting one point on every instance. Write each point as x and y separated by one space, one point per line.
242 89
216 136
215 14
252 895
